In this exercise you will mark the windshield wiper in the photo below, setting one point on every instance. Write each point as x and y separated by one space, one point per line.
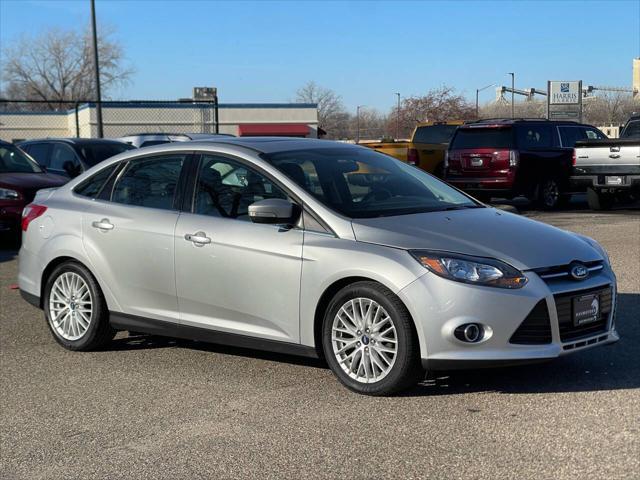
459 207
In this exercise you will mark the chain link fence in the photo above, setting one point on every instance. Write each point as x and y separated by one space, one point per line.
29 119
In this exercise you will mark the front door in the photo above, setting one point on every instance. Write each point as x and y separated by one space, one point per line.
130 236
233 275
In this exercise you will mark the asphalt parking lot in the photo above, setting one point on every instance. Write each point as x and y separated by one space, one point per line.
160 408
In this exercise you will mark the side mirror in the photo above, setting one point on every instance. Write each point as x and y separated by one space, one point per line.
275 211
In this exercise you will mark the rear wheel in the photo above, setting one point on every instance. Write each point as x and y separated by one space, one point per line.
599 200
369 340
75 309
550 195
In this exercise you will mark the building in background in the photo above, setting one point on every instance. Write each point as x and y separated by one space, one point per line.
127 118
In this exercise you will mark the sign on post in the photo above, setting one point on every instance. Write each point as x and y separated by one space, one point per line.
564 100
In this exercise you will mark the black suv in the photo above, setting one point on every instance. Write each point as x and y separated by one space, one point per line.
510 157
72 156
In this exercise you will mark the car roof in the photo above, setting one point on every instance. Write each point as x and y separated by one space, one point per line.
256 144
488 122
73 141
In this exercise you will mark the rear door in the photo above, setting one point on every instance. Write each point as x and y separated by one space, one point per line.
128 233
478 152
541 155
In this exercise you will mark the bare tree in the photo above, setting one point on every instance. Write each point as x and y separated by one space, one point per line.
436 105
57 65
610 108
331 112
524 109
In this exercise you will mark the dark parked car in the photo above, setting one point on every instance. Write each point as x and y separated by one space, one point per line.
72 156
510 157
20 179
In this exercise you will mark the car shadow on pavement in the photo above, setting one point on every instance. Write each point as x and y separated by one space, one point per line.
139 341
609 367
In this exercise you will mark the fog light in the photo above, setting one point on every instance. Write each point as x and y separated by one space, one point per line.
469 332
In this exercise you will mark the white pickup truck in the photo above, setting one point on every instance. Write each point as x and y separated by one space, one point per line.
608 169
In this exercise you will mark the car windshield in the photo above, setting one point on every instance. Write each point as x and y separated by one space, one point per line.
474 137
14 160
434 134
362 183
97 152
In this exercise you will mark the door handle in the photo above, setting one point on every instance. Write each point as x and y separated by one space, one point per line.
103 224
198 238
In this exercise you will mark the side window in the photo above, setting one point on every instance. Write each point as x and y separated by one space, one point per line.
92 186
569 135
535 136
593 134
150 182
63 158
40 153
226 188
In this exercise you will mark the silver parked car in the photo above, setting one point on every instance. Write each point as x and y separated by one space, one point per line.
309 247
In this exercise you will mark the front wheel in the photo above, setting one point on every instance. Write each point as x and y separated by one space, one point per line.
75 309
369 340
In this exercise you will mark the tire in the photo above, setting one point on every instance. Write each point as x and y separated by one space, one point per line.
550 195
378 370
599 200
69 292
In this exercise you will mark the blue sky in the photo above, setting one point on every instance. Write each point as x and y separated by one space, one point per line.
263 51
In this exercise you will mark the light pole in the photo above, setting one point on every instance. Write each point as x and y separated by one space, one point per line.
478 90
398 118
96 69
358 123
513 94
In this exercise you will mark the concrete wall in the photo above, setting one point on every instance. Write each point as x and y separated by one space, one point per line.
129 118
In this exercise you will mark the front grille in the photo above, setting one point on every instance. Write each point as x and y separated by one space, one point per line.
536 328
564 307
562 271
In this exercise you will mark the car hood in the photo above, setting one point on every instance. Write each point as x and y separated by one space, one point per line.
485 232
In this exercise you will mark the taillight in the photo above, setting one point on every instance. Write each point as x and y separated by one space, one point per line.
514 158
446 160
412 156
574 158
30 213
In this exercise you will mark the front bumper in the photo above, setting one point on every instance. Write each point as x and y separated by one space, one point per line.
438 306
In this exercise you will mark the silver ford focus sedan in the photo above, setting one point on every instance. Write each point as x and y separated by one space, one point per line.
309 247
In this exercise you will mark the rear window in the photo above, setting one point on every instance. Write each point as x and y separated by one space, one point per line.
97 152
483 138
434 134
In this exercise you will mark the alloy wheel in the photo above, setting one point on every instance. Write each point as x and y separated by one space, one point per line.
70 306
364 340
550 193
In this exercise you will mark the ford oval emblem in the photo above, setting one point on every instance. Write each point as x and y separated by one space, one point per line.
578 271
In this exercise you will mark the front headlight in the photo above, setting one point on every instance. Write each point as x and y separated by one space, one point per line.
468 269
7 194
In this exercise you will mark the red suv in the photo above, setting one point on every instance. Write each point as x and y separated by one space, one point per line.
510 157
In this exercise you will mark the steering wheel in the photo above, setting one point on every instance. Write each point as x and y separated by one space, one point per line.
378 194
